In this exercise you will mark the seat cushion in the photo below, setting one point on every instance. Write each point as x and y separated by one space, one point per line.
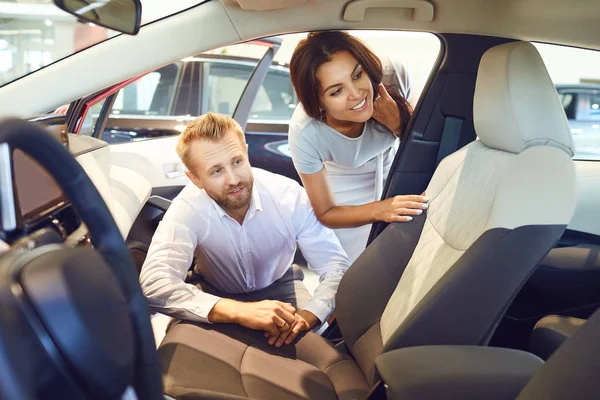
228 362
550 332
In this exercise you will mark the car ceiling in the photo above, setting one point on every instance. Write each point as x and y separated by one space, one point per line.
214 24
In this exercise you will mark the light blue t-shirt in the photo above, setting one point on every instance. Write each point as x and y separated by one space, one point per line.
356 167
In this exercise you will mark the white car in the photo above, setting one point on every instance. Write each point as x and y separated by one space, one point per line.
442 307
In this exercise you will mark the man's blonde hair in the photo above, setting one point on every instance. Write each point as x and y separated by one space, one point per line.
209 126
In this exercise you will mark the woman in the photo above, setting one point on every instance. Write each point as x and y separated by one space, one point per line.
344 135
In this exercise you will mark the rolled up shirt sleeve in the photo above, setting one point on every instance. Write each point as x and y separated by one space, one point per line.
324 254
164 271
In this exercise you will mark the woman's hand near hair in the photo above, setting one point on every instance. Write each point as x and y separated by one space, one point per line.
386 112
394 209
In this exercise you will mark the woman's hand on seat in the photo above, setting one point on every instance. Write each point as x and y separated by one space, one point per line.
400 208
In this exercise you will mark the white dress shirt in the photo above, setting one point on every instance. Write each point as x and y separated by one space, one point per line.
238 258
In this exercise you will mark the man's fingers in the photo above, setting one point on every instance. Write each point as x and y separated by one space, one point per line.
288 307
272 331
273 339
294 332
276 325
285 316
291 337
279 322
282 325
282 337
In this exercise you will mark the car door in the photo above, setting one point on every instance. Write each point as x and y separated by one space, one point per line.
141 118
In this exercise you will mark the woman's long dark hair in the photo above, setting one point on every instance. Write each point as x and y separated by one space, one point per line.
317 49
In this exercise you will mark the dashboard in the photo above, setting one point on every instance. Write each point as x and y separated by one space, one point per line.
35 191
40 203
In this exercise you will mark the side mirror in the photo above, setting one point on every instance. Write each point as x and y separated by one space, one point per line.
120 15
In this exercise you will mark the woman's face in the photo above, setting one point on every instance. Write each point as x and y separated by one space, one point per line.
345 90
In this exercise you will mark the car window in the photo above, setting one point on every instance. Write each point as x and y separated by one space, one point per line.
137 97
276 98
576 76
153 94
224 85
586 106
568 101
91 118
135 105
162 102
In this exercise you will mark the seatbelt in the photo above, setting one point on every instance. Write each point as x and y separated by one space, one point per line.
450 137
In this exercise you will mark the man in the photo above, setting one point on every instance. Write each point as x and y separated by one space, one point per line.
242 225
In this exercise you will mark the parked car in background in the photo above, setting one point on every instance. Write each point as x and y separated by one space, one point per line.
162 102
582 106
254 90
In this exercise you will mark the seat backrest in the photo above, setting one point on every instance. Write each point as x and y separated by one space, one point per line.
572 371
497 207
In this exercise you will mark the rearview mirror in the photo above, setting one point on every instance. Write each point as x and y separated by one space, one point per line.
120 15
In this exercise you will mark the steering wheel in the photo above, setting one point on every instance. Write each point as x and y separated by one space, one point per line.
74 323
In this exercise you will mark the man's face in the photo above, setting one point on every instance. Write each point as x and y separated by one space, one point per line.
223 171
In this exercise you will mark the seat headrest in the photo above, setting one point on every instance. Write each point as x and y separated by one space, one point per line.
516 105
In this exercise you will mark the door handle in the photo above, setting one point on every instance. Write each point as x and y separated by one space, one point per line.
173 170
422 10
175 174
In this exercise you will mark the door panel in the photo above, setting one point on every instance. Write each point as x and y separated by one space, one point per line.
124 191
155 159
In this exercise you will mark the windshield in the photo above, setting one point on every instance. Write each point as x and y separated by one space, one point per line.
35 33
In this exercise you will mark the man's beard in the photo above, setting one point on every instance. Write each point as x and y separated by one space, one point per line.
235 203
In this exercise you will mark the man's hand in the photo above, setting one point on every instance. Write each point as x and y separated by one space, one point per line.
270 316
304 321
